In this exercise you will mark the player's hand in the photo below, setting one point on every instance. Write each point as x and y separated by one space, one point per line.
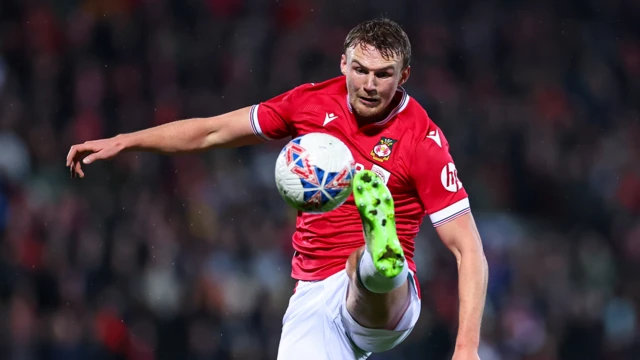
465 354
91 151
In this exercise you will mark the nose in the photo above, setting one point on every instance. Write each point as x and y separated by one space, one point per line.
370 84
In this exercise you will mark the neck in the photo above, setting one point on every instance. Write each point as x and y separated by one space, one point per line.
368 120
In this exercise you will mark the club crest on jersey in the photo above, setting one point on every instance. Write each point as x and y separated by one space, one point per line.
382 150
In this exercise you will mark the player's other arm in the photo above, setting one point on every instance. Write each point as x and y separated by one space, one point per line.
447 203
226 130
462 238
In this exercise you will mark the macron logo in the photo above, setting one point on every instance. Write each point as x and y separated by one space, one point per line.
329 118
433 135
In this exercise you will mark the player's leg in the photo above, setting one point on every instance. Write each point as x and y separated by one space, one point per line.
380 292
370 309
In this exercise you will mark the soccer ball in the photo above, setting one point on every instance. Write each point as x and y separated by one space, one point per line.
314 172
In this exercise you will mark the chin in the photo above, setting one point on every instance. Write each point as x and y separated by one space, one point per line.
367 111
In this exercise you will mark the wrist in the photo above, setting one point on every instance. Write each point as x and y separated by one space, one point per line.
124 141
467 345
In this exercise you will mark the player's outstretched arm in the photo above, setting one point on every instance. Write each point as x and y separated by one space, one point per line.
462 238
227 130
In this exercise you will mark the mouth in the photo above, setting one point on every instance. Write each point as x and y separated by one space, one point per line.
369 102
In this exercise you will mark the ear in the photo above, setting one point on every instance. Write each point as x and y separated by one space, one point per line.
343 64
404 75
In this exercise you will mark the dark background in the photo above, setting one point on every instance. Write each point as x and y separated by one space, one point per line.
187 257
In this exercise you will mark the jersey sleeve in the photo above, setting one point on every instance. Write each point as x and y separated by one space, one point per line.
272 119
436 179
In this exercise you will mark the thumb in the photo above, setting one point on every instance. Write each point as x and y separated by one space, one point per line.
100 154
88 160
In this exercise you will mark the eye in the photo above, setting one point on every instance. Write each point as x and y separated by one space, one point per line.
383 75
360 70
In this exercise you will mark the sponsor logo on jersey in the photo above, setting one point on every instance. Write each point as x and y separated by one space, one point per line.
449 178
382 150
382 173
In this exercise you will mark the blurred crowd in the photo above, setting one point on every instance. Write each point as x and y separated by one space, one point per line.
188 257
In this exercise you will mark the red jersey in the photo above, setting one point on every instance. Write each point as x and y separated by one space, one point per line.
407 150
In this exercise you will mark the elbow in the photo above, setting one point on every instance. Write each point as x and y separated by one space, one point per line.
468 249
213 133
484 264
474 254
228 131
211 140
482 258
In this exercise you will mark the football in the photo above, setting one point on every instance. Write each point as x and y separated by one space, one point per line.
314 172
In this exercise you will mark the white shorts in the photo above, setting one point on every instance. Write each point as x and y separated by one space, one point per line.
317 325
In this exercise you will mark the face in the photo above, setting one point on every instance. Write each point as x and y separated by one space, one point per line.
372 80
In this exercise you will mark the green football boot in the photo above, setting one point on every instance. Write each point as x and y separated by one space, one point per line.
375 205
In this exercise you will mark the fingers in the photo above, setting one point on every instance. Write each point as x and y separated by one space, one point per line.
72 154
75 155
75 170
78 149
78 169
75 165
98 155
87 153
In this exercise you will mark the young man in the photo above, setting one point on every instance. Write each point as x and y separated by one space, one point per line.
402 157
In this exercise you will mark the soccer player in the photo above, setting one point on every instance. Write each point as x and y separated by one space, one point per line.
355 294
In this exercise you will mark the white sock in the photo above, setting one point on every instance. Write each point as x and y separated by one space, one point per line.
373 280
